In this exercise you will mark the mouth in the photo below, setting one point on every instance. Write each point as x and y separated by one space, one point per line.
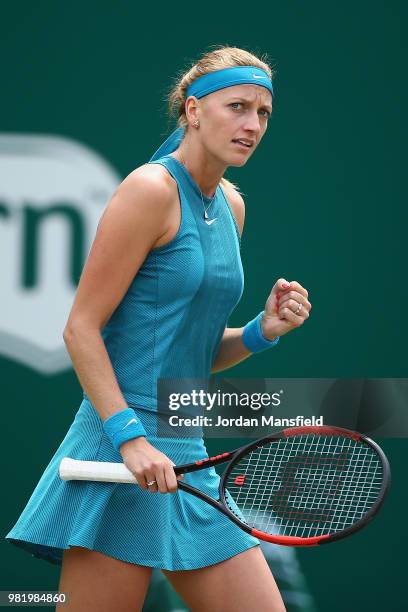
243 143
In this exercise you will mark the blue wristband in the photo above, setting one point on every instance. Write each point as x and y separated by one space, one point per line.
253 338
123 426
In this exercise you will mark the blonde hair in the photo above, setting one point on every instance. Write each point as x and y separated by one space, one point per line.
217 59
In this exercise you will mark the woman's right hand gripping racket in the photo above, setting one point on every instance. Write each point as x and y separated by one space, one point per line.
300 487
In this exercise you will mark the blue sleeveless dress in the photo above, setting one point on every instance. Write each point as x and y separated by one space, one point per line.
169 324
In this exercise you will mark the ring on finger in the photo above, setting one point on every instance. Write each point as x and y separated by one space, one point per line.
299 308
150 483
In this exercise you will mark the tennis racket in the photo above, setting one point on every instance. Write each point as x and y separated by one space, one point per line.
301 486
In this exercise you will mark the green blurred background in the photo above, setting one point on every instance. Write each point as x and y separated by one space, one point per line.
325 205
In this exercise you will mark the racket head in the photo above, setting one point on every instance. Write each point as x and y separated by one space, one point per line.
305 486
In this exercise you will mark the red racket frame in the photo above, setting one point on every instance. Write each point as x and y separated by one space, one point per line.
233 456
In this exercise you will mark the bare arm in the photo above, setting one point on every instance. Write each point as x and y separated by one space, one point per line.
279 315
232 350
133 220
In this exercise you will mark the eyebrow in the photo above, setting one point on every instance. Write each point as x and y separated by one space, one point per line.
241 99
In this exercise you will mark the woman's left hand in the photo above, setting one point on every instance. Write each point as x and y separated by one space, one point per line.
286 308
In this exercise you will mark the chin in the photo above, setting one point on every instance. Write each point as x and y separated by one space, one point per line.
237 161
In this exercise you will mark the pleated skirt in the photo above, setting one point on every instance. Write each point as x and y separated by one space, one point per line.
172 531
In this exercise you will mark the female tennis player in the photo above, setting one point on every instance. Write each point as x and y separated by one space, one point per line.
162 278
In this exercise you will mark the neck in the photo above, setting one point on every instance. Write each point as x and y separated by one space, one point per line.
205 170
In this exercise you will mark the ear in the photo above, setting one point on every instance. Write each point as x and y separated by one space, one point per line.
192 109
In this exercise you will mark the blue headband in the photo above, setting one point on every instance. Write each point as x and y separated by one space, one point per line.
228 77
208 83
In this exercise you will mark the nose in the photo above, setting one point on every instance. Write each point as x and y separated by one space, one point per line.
252 122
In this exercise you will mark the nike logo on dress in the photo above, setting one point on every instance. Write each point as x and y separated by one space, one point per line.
209 221
256 76
131 421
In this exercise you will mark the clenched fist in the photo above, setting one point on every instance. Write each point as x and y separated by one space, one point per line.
286 308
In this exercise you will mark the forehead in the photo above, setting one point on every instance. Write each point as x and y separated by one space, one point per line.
252 93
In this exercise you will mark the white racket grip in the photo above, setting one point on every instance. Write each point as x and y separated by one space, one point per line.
100 471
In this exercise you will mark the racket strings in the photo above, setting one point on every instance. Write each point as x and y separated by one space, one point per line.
305 485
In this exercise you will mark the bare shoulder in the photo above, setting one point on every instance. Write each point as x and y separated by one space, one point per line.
151 181
135 218
145 199
236 203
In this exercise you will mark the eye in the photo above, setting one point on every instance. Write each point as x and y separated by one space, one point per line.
235 105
